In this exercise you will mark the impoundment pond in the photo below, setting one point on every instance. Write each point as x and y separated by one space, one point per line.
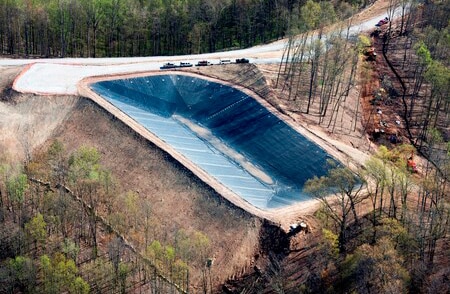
225 132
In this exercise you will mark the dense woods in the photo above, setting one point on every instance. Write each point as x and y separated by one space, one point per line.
115 28
398 244
68 228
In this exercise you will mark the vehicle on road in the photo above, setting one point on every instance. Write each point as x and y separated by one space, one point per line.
185 64
242 60
225 61
168 65
203 63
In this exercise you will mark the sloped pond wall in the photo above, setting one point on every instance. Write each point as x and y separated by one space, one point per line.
225 132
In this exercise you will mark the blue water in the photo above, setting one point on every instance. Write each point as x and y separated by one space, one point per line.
223 131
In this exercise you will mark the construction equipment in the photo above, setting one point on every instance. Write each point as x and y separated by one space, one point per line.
382 22
371 54
410 164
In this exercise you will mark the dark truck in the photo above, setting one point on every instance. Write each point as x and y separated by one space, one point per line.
203 63
242 60
185 64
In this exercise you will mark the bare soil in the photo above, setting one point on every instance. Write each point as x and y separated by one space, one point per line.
27 121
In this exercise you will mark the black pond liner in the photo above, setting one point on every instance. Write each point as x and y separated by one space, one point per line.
223 131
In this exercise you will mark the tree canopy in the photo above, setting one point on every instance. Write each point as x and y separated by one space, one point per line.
115 28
